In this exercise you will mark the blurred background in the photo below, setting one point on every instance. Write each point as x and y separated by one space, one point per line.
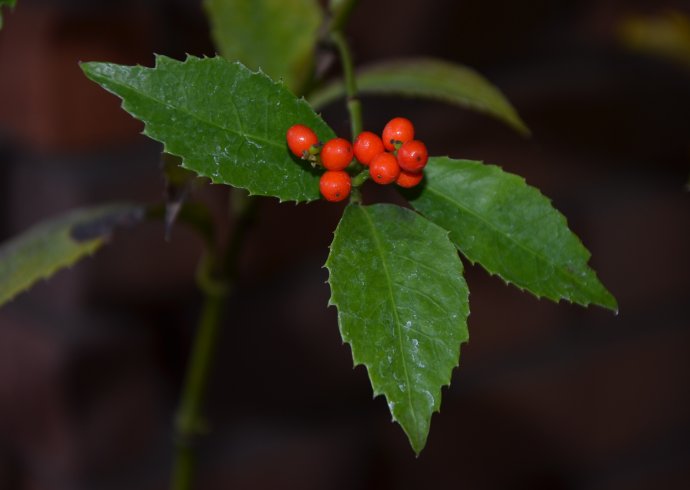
546 397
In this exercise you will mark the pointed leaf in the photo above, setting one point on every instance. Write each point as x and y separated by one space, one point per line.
41 251
226 122
277 36
6 3
402 304
510 228
432 79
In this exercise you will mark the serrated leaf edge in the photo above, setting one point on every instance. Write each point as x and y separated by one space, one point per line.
358 362
162 60
556 299
94 245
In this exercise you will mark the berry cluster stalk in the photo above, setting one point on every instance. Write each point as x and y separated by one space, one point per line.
354 106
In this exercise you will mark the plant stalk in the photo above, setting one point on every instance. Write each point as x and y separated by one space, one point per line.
341 10
190 423
214 278
354 106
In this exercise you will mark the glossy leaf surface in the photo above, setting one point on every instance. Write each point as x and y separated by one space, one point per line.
431 79
277 36
510 228
41 251
225 121
402 304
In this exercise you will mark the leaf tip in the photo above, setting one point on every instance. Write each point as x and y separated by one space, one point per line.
519 125
609 302
90 68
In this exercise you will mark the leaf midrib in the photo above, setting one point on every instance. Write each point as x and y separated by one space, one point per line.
541 257
178 109
398 327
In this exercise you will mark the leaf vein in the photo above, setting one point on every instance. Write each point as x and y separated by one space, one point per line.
398 326
184 111
423 295
497 230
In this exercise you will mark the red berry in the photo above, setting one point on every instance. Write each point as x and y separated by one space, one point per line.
398 129
367 146
335 185
300 138
409 179
384 168
336 154
412 156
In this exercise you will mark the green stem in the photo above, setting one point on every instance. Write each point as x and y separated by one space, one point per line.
214 279
190 423
341 10
360 178
354 105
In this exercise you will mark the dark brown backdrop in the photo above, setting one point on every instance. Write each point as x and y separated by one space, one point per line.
547 396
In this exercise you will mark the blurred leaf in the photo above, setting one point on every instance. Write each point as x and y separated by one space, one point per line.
277 36
226 122
510 228
666 35
431 79
402 304
6 3
41 251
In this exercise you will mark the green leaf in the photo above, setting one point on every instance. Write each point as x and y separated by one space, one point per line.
510 228
41 251
277 36
402 304
225 121
6 3
431 79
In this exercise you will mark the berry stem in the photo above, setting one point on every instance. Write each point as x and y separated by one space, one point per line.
215 278
355 196
360 178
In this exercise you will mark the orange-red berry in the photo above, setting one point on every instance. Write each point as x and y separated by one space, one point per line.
398 129
384 168
335 185
412 156
300 139
409 179
336 154
367 146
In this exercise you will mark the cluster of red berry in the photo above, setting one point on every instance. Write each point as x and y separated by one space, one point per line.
396 157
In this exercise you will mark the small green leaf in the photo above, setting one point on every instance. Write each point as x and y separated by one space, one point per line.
6 3
402 304
277 36
225 121
431 79
41 251
510 228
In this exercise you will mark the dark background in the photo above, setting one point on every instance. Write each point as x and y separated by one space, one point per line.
547 396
